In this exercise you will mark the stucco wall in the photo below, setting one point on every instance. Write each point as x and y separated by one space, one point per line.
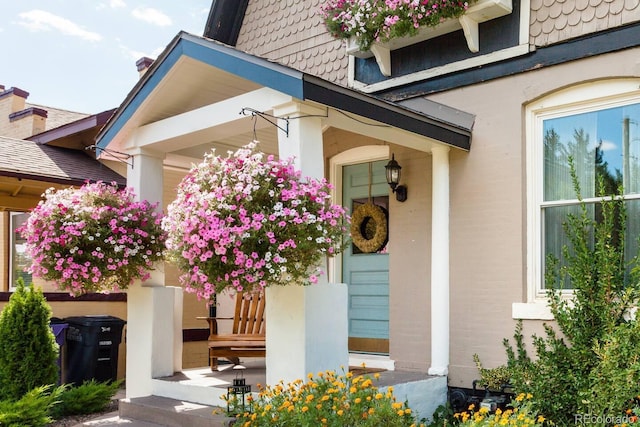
488 205
410 264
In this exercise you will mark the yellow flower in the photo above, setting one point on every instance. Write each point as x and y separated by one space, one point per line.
376 376
371 411
379 396
305 408
310 375
400 413
358 400
353 390
471 407
396 405
340 412
310 397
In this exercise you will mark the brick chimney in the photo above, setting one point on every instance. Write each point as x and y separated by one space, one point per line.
143 65
16 121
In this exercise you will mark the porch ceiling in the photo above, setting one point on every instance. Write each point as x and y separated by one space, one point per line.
197 81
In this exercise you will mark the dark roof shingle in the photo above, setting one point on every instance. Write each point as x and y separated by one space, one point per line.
30 160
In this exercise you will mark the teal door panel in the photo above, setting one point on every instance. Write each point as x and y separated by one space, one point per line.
366 274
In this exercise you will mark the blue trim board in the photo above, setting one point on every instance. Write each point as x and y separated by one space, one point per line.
243 65
247 67
147 86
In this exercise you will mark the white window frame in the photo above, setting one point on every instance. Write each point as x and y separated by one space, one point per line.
586 97
12 248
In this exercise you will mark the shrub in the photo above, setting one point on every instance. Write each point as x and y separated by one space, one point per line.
588 361
328 400
87 398
28 351
494 378
32 409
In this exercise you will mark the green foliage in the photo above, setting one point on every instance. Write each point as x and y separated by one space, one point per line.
443 416
617 377
494 378
87 398
587 363
32 409
28 351
328 400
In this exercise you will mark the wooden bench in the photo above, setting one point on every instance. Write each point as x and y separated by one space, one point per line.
247 337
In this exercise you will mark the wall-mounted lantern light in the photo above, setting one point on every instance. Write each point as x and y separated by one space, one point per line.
393 179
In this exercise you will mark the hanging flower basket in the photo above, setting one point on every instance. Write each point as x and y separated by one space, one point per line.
97 238
244 223
374 28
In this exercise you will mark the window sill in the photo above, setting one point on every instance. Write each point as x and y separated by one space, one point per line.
537 310
481 11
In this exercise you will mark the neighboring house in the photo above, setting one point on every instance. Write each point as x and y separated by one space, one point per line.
482 126
43 147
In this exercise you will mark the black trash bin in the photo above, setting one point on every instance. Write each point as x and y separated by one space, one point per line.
92 348
59 327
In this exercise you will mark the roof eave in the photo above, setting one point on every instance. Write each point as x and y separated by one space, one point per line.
330 94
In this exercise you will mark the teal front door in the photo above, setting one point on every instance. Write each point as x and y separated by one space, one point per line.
367 273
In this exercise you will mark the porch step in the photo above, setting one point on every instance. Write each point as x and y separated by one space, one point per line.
168 412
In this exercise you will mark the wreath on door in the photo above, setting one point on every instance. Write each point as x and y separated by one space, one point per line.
369 225
369 229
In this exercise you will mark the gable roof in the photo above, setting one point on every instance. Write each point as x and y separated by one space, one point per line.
30 160
225 64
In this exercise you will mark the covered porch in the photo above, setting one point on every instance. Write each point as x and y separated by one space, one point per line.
200 95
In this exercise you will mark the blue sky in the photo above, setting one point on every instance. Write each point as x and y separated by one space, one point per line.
80 55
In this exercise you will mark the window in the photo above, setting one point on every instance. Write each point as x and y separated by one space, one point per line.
19 259
598 125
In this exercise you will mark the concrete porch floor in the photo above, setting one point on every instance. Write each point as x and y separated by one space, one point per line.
201 389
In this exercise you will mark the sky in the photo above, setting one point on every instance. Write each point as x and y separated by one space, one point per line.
80 55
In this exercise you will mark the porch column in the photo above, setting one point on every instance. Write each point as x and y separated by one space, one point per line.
440 262
154 312
306 326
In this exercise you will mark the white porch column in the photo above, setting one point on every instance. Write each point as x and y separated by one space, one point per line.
154 312
306 326
440 262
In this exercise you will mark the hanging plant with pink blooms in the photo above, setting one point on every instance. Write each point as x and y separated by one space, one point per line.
370 21
97 238
245 222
